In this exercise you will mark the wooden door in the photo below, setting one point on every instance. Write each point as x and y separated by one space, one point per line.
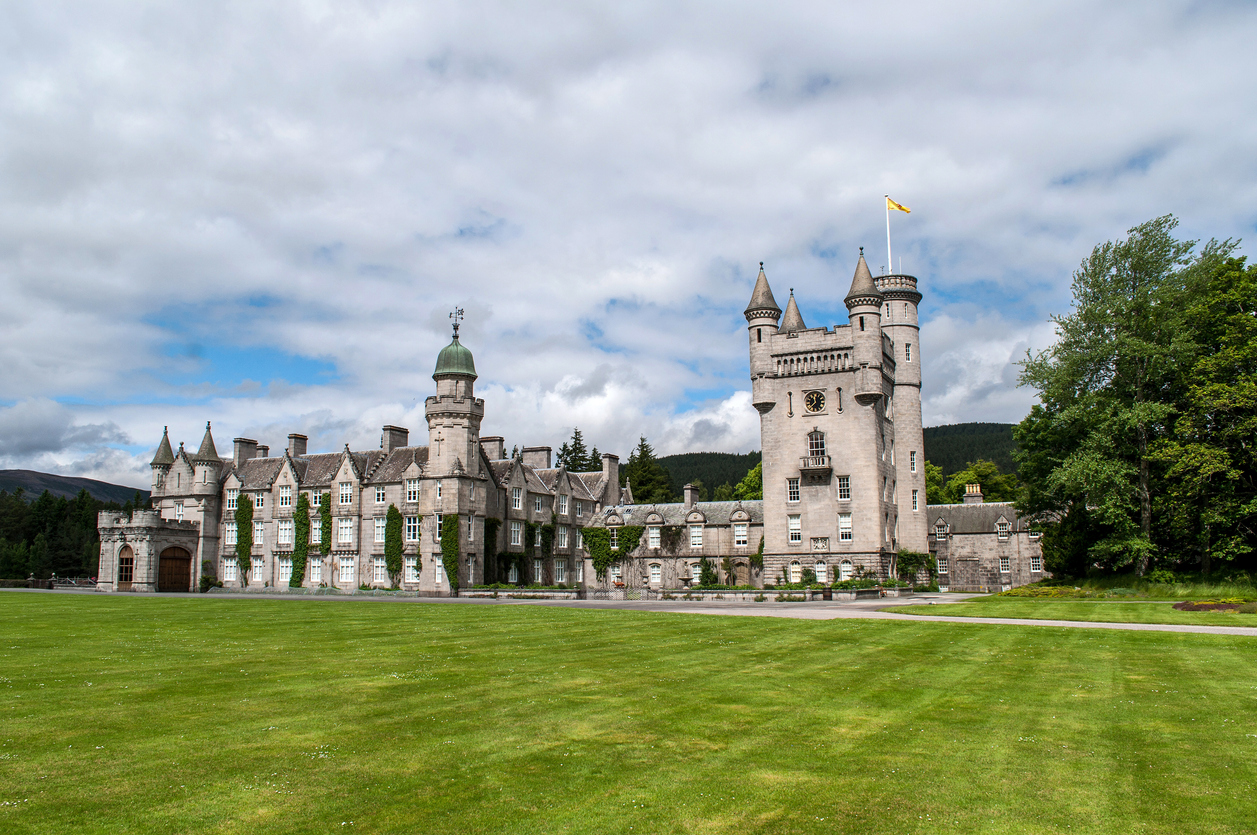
174 572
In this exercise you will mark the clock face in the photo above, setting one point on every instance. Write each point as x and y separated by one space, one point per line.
814 401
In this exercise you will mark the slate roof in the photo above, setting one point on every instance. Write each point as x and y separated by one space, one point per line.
165 455
501 468
762 295
317 470
207 452
391 467
972 518
862 285
674 513
594 483
793 320
258 473
577 487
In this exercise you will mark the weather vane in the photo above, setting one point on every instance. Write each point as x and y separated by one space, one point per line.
457 316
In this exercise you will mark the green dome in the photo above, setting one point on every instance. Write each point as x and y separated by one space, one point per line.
454 359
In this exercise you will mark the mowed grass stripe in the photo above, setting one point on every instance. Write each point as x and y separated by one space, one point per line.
296 716
1096 611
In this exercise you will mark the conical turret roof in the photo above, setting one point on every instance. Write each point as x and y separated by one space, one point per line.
165 455
862 286
762 298
207 452
793 320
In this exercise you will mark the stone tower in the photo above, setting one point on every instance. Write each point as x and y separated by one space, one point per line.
830 411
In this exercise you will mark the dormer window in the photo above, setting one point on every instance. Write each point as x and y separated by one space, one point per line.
940 528
1002 529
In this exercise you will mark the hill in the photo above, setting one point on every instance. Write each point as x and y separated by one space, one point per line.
65 486
952 447
711 468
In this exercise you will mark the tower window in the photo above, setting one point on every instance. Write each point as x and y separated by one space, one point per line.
816 444
861 323
907 351
759 334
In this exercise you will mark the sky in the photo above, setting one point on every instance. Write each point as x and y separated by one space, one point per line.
262 213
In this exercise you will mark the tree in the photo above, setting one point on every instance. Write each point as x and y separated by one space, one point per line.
647 476
751 487
393 545
573 455
935 485
707 573
700 490
996 486
724 493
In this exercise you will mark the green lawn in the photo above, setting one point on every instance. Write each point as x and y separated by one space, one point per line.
1108 611
126 714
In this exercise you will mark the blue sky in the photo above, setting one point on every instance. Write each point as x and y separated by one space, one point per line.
261 213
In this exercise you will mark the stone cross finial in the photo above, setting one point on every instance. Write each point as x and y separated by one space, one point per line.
457 316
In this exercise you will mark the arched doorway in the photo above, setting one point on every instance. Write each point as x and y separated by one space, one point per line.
174 571
126 568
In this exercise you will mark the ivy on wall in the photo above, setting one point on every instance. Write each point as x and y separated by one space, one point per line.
909 563
670 538
301 541
393 544
325 524
598 544
757 559
449 548
491 557
244 537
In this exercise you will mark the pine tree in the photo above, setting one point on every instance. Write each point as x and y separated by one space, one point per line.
647 476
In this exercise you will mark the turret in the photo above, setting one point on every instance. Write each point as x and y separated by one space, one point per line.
454 414
864 306
762 314
162 460
207 466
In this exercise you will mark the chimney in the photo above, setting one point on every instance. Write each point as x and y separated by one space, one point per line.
263 451
691 494
494 447
394 437
611 472
537 457
242 449
973 494
297 445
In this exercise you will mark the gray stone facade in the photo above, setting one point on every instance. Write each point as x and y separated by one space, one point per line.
983 546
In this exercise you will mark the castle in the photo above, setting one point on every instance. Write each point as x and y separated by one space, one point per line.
843 470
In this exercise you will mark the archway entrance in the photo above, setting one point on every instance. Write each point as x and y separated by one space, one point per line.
174 572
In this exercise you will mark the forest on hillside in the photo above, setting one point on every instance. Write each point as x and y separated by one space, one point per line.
52 534
711 469
953 447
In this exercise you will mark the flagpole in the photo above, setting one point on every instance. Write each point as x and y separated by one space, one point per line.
890 264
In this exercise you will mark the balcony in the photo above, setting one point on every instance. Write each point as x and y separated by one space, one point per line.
815 466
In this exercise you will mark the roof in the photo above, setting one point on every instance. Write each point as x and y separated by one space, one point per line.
762 297
862 286
455 359
394 465
793 320
207 451
165 455
972 518
258 473
595 483
674 513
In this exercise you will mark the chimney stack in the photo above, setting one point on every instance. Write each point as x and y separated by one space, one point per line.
394 437
242 449
691 495
537 457
263 451
297 445
494 447
973 494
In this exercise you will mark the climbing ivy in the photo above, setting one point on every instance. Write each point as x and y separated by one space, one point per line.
449 548
707 577
301 540
909 563
598 543
670 538
491 560
244 537
757 559
325 524
393 544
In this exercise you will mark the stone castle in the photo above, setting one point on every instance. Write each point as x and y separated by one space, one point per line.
843 468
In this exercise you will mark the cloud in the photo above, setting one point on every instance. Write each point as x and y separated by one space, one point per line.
262 213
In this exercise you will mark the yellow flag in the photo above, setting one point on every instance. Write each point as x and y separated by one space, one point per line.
891 204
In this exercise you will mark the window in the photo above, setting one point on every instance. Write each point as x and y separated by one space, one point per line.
560 571
615 573
412 489
652 536
512 576
580 538
739 534
914 500
907 351
316 570
580 508
179 511
233 496
517 498
283 536
614 538
844 527
560 536
438 573
316 531
563 504
412 528
792 489
285 569
410 570
436 535
796 572
230 533
346 492
942 565
816 444
1036 563
379 495
656 573
537 567
822 572
536 538
845 570
1005 565
795 527
438 488
229 570
580 571
892 452
844 488
259 534
1002 529
696 536
471 492
536 504
471 528
379 570
285 496
912 461
316 499
346 570
940 529
517 533
344 531
259 564
381 525
696 572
